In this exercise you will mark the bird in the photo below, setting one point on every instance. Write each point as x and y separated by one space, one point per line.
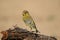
28 20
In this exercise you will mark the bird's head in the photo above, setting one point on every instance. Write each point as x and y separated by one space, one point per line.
25 13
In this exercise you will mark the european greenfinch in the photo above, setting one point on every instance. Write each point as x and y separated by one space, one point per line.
29 21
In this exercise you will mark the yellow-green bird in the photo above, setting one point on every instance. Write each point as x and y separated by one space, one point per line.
28 20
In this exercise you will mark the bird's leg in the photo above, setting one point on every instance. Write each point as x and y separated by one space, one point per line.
31 29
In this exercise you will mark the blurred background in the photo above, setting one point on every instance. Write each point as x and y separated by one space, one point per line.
45 13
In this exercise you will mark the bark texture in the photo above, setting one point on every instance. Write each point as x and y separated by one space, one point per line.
23 34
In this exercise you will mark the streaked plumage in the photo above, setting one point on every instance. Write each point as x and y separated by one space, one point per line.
28 20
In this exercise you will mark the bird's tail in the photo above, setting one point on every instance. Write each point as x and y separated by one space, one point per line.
37 31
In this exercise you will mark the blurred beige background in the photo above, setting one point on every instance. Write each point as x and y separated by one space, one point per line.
11 10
